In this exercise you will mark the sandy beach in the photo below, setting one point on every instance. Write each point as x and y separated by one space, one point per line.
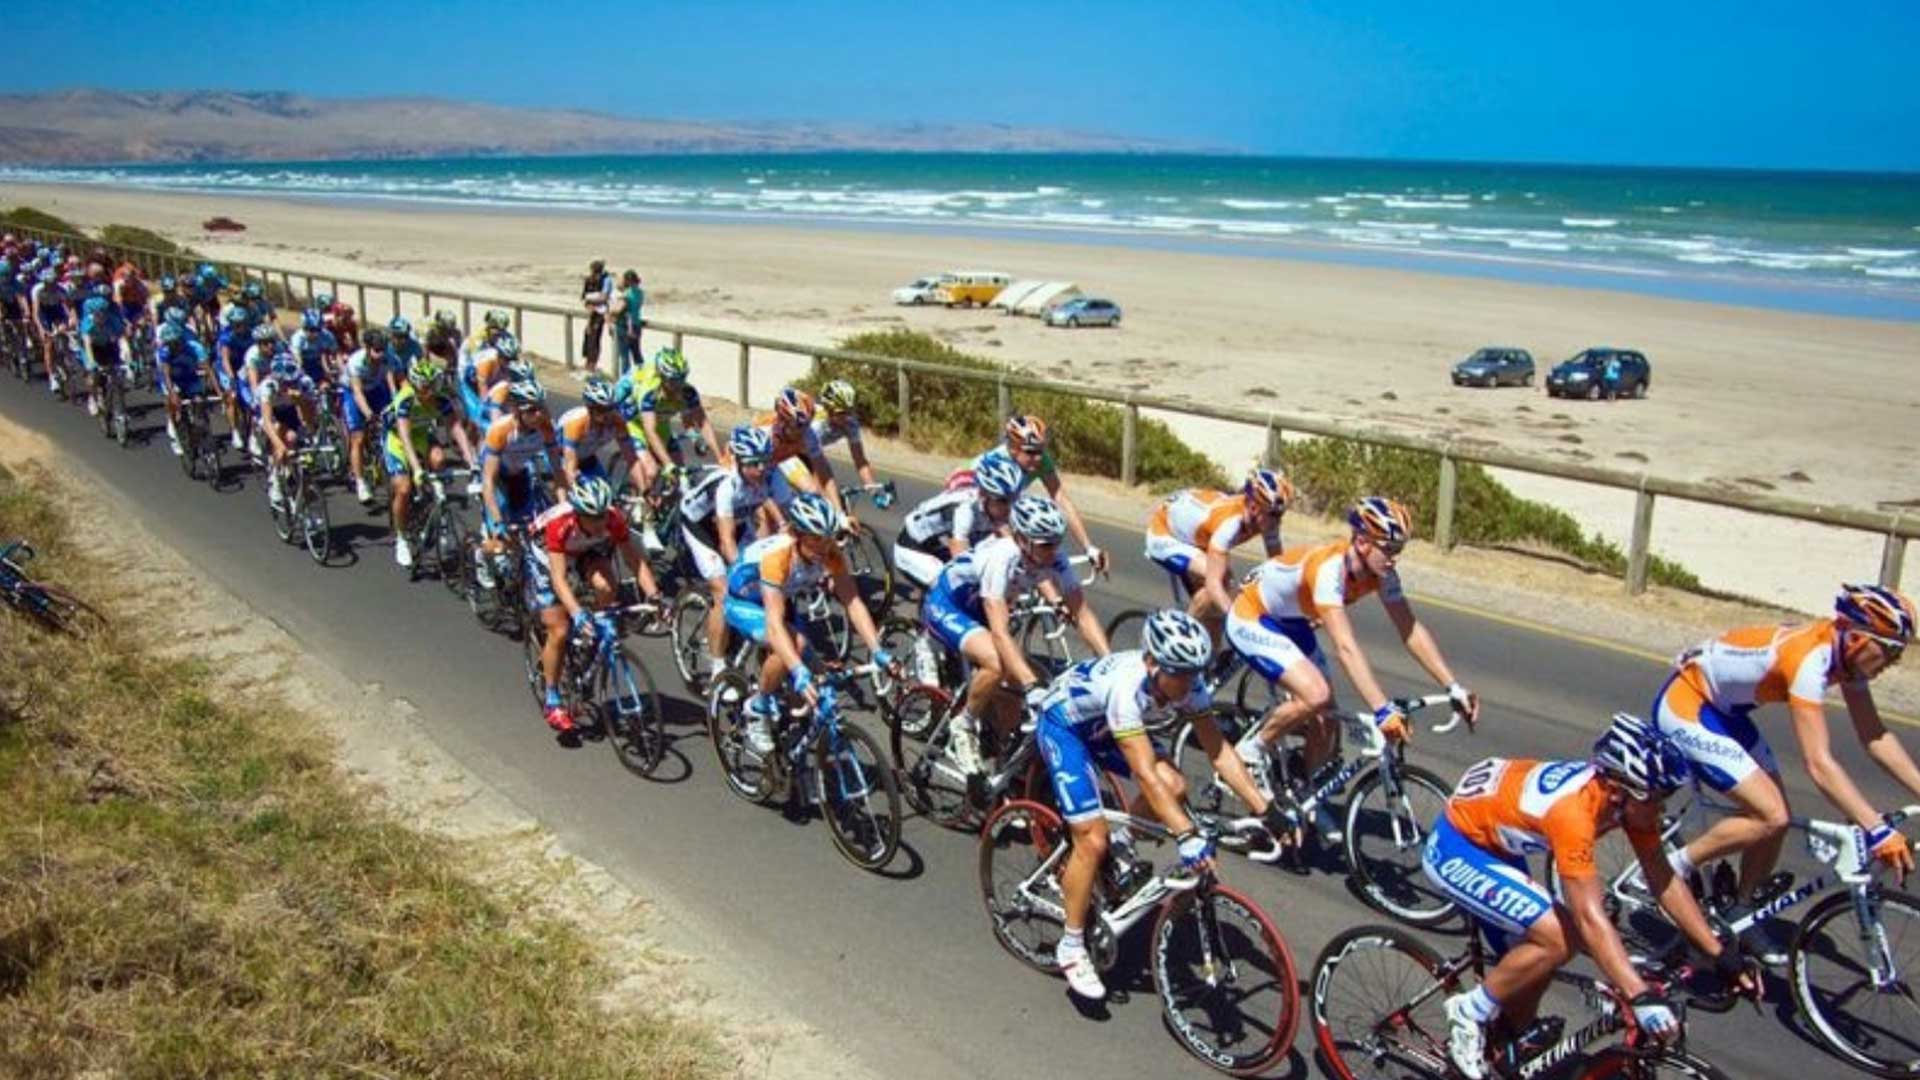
1814 407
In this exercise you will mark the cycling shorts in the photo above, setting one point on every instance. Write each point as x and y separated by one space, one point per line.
1270 646
287 417
920 560
395 454
376 400
50 319
1725 748
1174 555
185 381
703 547
750 619
99 354
520 495
1493 888
538 588
1074 766
947 620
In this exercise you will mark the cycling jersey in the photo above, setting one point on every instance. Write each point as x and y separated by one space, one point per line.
1049 470
423 413
1303 582
799 442
558 531
921 548
996 570
372 373
586 439
280 397
101 321
515 446
1705 706
722 493
180 365
666 400
402 354
776 561
1190 523
313 347
1090 707
827 432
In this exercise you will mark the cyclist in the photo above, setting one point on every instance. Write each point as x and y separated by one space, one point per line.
402 345
581 533
372 379
969 611
286 398
1505 809
495 325
204 290
52 315
948 524
253 297
1096 716
229 354
484 372
839 422
255 367
316 348
760 591
13 306
1272 620
338 316
101 329
796 446
1706 709
510 492
589 428
131 293
414 424
1025 441
657 394
722 514
183 368
1191 535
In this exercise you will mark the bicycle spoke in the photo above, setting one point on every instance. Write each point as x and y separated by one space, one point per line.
1225 980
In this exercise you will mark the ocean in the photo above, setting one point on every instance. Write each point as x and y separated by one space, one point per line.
1844 243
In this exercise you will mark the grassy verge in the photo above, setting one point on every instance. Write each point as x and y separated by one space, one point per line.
188 888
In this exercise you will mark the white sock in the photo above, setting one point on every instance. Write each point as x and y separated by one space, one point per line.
1481 1006
1681 862
1073 939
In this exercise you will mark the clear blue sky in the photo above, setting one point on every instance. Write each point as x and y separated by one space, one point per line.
1762 83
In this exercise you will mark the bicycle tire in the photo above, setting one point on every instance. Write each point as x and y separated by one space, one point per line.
1393 1027
1018 839
189 446
284 525
1832 1030
450 552
105 399
932 785
866 834
687 632
1124 630
1205 792
1398 886
316 524
1046 653
747 778
897 635
213 455
632 722
913 714
60 610
1228 1034
1617 1062
530 649
872 570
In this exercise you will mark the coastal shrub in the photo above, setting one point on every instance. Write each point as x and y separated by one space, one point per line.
1332 473
960 416
133 236
28 218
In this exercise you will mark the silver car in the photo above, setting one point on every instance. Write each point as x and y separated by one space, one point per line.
1084 311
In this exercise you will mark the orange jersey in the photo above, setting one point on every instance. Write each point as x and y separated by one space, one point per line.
801 442
1519 807
1760 665
1208 520
1300 583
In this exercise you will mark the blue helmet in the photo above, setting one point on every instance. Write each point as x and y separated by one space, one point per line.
253 290
172 334
751 445
166 283
310 319
284 365
175 315
998 476
236 317
95 305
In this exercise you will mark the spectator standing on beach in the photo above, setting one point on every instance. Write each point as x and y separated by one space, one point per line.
626 322
596 293
1611 377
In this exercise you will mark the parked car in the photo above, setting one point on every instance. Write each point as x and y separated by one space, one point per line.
971 288
1495 367
924 290
1084 311
1585 375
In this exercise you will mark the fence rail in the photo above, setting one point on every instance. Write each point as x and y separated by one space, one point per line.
1895 528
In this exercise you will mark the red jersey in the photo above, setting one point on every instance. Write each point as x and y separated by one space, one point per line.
559 530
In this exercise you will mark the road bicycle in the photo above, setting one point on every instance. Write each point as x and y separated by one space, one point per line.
51 605
866 555
496 583
115 424
437 533
300 514
604 684
1387 815
200 447
1041 627
1378 1002
17 348
1221 969
819 758
1853 957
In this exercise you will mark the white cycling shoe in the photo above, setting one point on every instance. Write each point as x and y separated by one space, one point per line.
963 743
757 736
1082 977
1466 1039
403 552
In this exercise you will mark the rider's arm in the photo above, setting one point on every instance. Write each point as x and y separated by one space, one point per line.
650 428
1346 648
1582 898
1420 644
1086 621
1014 669
642 569
1886 750
403 426
1075 527
724 529
458 422
857 448
1816 749
823 476
1669 888
490 487
359 394
1137 748
1219 567
848 594
714 446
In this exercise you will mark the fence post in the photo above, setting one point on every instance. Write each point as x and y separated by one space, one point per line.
309 302
1641 540
904 396
519 325
1274 443
743 375
679 340
426 304
569 333
360 287
813 367
466 314
1004 397
286 286
1893 557
1443 510
1129 445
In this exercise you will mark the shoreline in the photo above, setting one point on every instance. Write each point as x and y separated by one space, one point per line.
1742 397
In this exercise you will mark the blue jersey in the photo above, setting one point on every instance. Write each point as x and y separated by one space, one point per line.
1110 697
101 321
402 353
184 359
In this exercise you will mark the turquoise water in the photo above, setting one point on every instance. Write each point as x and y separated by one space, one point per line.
1825 241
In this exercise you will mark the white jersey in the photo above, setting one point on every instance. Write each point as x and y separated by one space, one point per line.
996 570
1110 696
727 493
826 432
954 515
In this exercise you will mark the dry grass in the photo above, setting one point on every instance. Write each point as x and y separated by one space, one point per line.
190 889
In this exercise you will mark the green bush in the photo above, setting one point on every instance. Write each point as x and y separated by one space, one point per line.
960 416
133 236
29 218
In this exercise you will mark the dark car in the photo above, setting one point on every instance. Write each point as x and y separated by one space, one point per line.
1495 367
1586 375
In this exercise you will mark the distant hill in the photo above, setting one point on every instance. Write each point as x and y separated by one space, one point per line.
103 127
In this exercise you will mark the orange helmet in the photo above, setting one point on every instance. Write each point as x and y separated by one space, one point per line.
1384 521
794 406
1882 613
1027 433
1269 488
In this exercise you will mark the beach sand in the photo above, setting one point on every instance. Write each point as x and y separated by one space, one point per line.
1812 407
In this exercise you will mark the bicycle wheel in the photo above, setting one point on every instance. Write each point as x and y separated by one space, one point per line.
212 457
190 437
687 630
746 775
1023 847
1043 639
915 712
316 526
530 648
859 797
898 636
1854 984
1205 792
122 423
1387 838
1378 1005
932 781
1124 629
60 610
106 406
630 713
1618 1062
1225 977
450 552
285 524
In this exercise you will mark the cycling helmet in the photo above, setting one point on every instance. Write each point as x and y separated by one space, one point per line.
998 477
95 305
508 348
591 497
400 327
425 373
1880 613
175 316
263 334
794 406
1268 488
837 396
598 393
102 290
498 320
444 319
811 514
1027 433
1176 641
236 316
1639 759
1038 520
323 301
171 334
46 277
310 319
751 445
284 366
375 338
527 393
671 364
1381 520
521 371
253 291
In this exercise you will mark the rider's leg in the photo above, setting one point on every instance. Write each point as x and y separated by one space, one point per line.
1758 831
717 624
1730 756
1523 975
553 619
1083 865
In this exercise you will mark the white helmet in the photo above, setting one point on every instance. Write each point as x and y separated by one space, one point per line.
1638 758
811 514
1039 520
591 497
998 476
1177 641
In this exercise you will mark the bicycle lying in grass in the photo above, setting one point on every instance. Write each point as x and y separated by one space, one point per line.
47 603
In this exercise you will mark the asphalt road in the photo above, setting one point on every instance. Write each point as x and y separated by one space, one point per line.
900 969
